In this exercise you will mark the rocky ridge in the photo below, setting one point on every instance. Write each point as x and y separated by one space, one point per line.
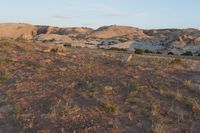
164 41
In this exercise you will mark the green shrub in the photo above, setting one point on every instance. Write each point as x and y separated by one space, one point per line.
139 51
170 53
148 51
67 45
2 79
187 53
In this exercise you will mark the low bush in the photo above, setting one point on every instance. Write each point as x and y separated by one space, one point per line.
139 51
176 61
148 51
170 53
60 49
187 53
2 79
117 49
67 44
109 107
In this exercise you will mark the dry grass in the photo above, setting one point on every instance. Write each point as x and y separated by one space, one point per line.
160 127
195 105
84 90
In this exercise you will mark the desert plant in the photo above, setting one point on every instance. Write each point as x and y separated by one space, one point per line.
2 79
5 62
187 53
67 44
194 105
17 110
139 51
87 85
148 51
5 43
159 128
176 61
117 49
109 107
158 52
170 53
63 107
60 49
155 108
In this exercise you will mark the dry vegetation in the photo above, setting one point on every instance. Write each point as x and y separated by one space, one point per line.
71 90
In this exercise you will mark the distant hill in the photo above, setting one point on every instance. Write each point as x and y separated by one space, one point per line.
14 31
113 31
165 41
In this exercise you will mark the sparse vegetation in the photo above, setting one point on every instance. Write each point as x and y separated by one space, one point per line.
2 79
148 51
170 53
176 61
117 49
159 127
17 111
67 44
194 104
63 108
109 107
187 53
59 49
158 52
94 90
139 51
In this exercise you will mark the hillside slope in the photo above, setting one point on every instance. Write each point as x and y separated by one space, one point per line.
113 31
14 31
98 91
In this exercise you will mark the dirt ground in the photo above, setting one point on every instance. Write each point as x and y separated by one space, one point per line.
82 90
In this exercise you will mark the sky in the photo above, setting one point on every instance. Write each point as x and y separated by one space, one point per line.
146 14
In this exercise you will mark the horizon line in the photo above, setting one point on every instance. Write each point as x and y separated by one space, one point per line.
57 26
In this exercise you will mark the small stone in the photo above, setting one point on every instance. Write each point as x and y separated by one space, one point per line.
130 116
63 69
130 58
110 123
108 88
47 50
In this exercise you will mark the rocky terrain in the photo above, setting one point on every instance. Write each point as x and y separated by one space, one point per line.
16 31
56 89
162 41
81 80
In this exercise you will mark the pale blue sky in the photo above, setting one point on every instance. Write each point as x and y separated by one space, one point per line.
91 13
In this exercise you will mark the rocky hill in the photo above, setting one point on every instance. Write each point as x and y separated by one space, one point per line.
14 31
114 31
164 41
